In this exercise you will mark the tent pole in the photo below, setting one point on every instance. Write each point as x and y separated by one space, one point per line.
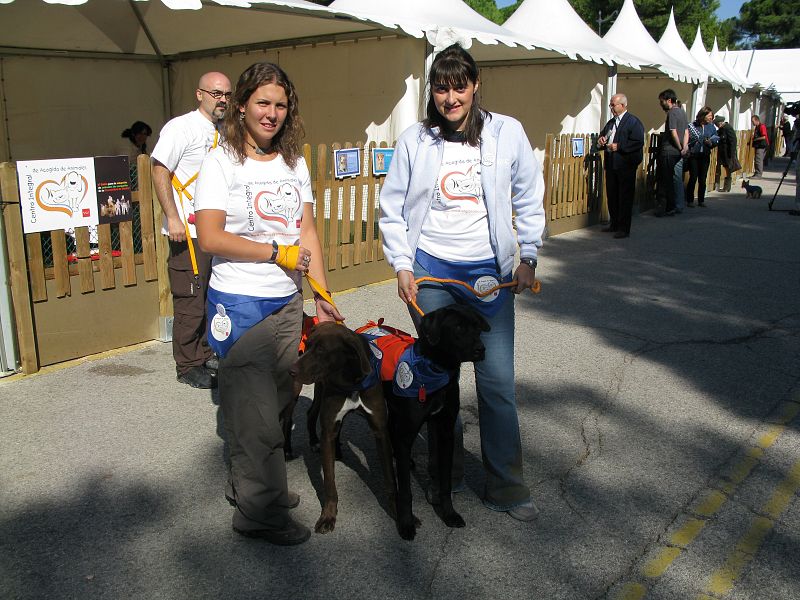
166 94
4 109
610 90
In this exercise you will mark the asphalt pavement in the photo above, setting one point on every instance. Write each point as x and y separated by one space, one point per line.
658 383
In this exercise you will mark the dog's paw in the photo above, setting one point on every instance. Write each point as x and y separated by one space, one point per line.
325 524
407 530
453 520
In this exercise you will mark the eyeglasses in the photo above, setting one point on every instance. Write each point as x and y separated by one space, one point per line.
613 104
217 94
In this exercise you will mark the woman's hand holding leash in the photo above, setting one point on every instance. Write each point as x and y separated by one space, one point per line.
327 312
525 276
406 286
291 258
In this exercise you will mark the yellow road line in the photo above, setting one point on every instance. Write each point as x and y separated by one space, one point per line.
722 580
656 567
688 531
713 501
783 495
632 591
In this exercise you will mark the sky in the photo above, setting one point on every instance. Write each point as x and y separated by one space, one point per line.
727 8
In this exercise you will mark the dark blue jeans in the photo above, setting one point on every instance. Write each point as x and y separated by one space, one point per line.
501 447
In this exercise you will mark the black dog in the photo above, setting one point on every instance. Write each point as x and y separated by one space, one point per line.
336 360
752 191
449 336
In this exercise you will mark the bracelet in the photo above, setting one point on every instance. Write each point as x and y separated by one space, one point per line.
274 252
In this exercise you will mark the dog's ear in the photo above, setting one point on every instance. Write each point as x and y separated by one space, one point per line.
430 327
361 348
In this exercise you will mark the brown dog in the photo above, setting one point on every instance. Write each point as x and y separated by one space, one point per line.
336 361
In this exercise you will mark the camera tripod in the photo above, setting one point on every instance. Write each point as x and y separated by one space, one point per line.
792 158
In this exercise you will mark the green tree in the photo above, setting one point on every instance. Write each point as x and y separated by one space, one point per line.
488 9
768 24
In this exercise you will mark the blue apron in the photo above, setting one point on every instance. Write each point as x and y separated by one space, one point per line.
231 315
481 275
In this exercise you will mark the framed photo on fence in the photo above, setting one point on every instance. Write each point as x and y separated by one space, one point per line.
381 159
347 162
577 147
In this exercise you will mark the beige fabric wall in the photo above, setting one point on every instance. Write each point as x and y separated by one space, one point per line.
642 93
720 98
558 98
60 107
747 108
343 88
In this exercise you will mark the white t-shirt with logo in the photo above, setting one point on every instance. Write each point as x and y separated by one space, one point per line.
457 227
182 145
263 201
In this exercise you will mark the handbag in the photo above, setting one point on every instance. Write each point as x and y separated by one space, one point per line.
734 165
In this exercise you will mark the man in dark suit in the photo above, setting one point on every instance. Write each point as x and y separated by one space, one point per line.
623 141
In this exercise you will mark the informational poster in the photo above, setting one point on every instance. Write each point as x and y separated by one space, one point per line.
347 162
381 159
577 147
113 188
57 194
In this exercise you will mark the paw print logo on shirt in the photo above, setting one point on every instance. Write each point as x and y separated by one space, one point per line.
280 205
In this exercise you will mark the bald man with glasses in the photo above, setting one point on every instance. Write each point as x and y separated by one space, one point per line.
622 138
183 143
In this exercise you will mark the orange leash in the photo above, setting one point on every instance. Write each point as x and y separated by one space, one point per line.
535 288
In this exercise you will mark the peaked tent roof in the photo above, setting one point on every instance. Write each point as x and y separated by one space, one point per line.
698 52
716 58
153 29
628 32
556 25
442 20
672 44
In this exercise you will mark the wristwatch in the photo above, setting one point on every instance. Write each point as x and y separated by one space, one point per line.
274 252
531 262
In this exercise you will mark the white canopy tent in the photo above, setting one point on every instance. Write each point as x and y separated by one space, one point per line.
642 89
628 32
778 68
672 44
744 103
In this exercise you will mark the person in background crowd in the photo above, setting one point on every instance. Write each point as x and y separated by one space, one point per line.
255 302
673 146
134 141
760 143
446 208
786 130
727 153
623 141
183 143
702 138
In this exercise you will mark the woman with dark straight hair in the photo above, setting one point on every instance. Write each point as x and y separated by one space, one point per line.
254 213
702 138
446 211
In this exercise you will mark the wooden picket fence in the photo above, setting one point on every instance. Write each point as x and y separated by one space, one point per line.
347 216
133 271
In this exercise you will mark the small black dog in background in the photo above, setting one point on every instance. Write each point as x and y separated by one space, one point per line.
753 191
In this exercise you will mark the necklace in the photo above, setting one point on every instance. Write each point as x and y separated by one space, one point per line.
258 150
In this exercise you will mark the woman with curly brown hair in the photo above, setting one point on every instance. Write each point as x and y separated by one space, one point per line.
254 213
